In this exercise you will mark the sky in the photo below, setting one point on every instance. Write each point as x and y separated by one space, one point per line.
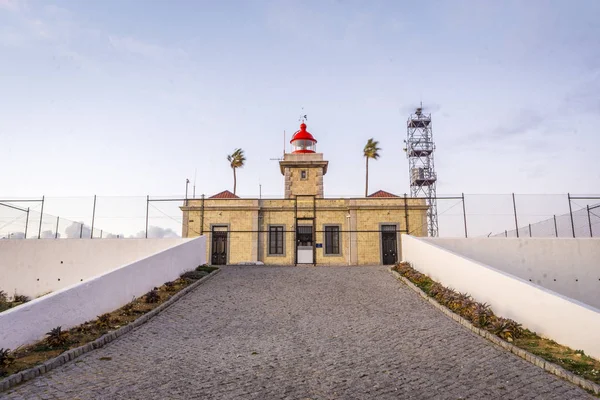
130 98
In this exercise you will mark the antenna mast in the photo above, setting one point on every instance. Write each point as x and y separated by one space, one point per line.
419 150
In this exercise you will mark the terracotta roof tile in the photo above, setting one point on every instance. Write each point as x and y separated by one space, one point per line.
225 194
382 193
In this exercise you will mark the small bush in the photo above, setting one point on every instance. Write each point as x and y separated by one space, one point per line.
128 308
3 296
194 275
57 337
206 268
506 328
482 315
152 296
6 360
21 298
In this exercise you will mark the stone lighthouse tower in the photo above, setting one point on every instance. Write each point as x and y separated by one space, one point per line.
303 168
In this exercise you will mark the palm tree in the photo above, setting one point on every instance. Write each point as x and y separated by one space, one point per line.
236 160
370 151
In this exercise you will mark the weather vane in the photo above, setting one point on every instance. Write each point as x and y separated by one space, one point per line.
303 116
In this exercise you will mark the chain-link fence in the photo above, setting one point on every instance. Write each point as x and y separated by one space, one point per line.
464 215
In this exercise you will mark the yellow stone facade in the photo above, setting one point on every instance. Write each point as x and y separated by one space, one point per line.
366 231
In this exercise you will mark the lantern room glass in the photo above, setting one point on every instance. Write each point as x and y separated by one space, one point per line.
304 146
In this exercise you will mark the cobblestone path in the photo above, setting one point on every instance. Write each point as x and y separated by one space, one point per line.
299 333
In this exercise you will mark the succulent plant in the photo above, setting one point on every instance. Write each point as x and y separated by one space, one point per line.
482 315
57 337
152 296
506 328
194 275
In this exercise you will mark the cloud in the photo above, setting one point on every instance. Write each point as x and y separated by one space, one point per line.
48 234
12 5
77 230
157 232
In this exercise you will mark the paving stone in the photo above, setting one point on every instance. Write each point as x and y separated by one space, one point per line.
299 333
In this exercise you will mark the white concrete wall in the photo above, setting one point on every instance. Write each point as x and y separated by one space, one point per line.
35 267
570 267
84 301
567 321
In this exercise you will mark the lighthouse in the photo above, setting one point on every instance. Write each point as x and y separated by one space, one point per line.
303 168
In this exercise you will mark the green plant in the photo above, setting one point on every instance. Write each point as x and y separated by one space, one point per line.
103 321
152 296
6 360
21 298
194 275
506 328
482 315
206 268
3 296
57 337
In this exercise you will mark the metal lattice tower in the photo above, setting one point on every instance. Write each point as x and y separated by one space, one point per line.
419 150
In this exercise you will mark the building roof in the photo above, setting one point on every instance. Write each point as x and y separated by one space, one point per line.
382 193
303 134
225 194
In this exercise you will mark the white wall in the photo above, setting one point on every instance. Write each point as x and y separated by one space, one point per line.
104 293
37 266
570 267
550 314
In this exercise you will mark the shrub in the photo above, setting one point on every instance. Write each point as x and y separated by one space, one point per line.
206 268
152 296
3 297
21 298
6 360
57 337
194 275
482 315
170 286
506 328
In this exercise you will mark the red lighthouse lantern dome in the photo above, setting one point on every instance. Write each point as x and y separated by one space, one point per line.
303 141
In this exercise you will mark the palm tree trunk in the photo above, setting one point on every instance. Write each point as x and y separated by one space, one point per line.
367 178
234 181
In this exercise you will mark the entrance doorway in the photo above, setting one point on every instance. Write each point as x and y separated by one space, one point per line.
389 247
219 246
305 244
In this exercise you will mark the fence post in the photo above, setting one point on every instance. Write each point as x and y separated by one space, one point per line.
505 233
406 213
515 208
26 223
529 230
464 215
571 214
56 234
93 218
589 220
81 231
147 209
100 233
555 227
41 218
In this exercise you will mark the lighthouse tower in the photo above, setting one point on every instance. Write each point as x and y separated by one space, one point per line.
303 168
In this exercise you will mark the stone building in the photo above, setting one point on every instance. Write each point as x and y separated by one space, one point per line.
304 227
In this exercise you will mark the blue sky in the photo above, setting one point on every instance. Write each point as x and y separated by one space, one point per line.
131 97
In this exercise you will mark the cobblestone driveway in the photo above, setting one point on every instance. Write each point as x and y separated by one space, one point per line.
299 333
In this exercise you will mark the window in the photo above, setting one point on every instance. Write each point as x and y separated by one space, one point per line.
332 240
276 240
303 174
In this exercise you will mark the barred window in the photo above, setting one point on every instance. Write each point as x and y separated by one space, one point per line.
276 240
332 240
